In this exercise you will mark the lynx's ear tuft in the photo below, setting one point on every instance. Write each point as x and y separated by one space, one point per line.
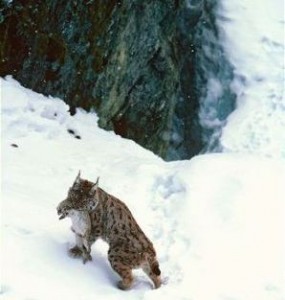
94 187
77 179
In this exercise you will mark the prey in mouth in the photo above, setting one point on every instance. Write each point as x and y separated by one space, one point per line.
63 210
62 215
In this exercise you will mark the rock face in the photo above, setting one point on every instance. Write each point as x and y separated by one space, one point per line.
153 70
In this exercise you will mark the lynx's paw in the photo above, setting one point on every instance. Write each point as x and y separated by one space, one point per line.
86 257
75 252
122 286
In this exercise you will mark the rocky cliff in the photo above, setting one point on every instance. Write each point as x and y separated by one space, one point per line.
153 70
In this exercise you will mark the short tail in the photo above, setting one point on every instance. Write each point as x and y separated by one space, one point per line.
155 267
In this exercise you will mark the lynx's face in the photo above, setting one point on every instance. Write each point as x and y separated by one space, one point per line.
81 196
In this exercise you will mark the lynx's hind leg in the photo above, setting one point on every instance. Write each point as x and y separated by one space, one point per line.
151 268
124 271
126 274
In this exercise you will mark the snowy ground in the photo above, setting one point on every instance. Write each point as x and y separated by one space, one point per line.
217 221
253 36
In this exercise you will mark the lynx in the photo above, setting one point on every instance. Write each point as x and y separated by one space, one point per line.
97 214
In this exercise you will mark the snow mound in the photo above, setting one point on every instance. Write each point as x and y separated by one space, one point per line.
253 37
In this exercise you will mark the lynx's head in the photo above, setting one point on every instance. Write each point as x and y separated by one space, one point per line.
81 196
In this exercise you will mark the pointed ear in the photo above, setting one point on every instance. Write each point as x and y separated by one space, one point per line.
94 187
77 179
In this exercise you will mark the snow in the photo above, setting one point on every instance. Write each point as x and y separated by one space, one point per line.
253 37
217 220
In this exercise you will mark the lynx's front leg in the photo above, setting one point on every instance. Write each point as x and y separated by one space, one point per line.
86 247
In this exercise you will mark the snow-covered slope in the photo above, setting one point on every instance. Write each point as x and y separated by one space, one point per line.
253 37
216 221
